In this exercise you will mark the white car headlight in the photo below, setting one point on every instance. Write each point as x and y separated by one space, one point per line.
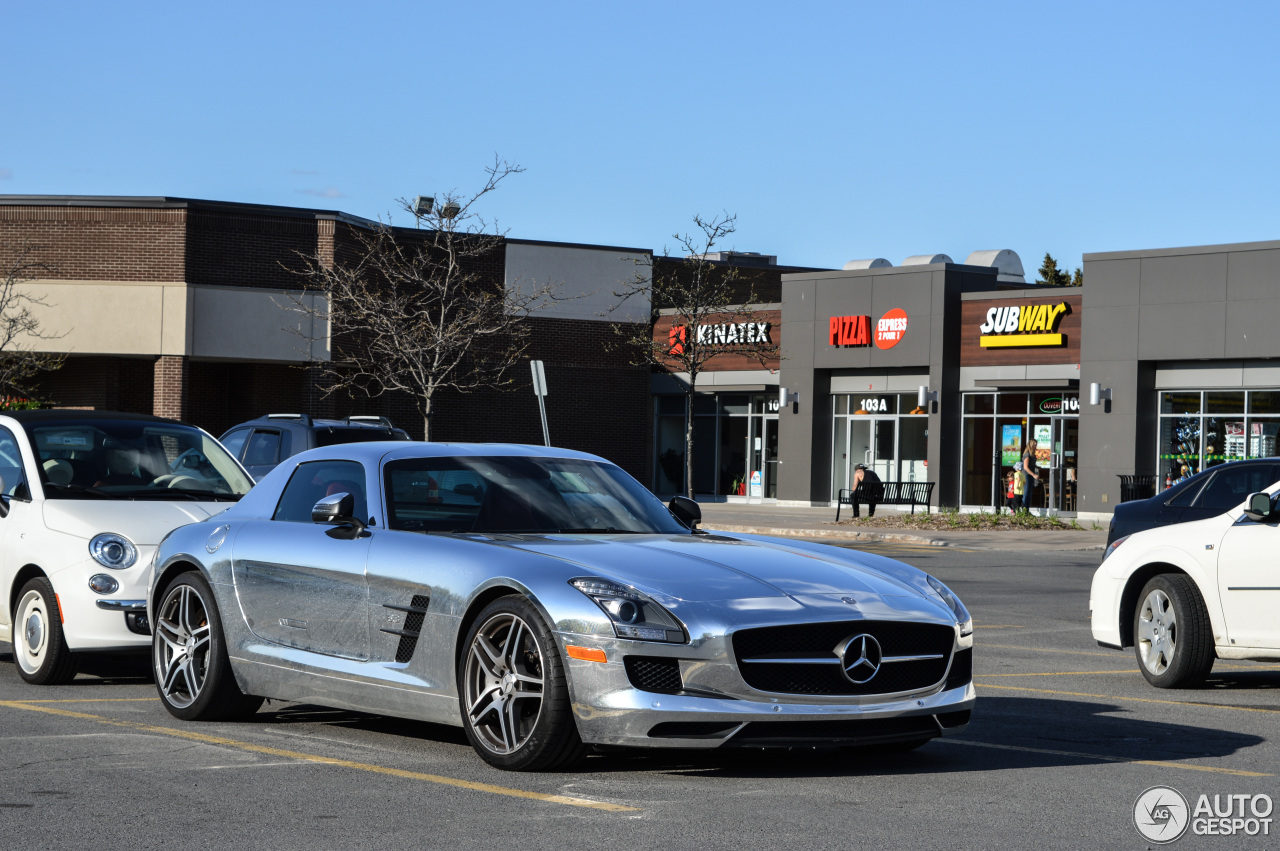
633 615
114 551
963 618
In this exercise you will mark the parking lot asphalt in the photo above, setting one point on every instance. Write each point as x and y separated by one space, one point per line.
1065 737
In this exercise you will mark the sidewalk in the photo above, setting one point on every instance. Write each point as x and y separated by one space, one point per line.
787 521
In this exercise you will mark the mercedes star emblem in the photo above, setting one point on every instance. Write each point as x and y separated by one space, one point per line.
860 658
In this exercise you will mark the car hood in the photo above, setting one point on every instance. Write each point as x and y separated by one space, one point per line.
143 522
716 568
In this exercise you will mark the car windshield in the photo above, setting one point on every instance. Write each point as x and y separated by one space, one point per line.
520 495
130 459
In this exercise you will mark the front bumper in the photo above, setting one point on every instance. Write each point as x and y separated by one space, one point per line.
716 709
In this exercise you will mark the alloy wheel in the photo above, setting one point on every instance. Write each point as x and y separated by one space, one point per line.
182 653
1157 632
503 683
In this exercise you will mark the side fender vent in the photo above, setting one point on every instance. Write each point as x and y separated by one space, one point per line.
414 614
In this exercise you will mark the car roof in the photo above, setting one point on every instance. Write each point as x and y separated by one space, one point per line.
70 416
396 450
312 422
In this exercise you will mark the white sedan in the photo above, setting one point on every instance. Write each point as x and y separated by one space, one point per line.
1185 595
85 498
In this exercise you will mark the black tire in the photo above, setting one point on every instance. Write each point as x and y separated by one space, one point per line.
1172 636
512 723
40 649
189 656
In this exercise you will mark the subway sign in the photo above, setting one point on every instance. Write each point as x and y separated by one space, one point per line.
1023 325
858 332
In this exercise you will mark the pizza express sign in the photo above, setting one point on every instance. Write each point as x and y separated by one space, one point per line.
857 331
1023 325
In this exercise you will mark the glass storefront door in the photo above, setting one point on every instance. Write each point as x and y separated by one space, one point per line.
873 441
996 430
762 472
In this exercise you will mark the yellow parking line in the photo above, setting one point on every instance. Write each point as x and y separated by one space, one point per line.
1132 699
95 700
998 626
1104 758
1116 655
324 760
1059 674
1131 671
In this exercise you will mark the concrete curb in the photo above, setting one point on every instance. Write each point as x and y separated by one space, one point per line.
893 537
885 537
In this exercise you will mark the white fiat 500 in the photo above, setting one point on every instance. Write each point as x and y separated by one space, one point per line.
1185 595
85 497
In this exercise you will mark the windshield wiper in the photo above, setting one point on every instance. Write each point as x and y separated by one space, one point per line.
208 494
607 530
82 489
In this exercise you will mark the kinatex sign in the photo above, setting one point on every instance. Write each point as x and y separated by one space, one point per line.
1023 325
724 334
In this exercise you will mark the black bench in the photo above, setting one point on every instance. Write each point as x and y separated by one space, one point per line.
889 493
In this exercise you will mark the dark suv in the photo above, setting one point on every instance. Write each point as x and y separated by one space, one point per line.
263 443
1206 494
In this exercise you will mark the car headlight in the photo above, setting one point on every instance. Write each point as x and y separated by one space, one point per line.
113 551
1113 546
633 614
963 618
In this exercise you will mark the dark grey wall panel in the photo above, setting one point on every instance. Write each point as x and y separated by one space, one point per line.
1110 333
1174 331
1253 274
1252 328
1111 283
1188 279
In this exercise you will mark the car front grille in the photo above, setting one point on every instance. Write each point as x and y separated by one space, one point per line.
818 642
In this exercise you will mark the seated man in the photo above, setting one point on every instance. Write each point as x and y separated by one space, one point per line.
866 488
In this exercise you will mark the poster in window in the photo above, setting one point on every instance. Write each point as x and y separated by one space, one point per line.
1010 445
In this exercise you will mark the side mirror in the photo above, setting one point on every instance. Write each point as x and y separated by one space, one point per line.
1258 507
686 511
338 510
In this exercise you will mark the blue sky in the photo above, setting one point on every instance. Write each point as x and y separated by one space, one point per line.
833 130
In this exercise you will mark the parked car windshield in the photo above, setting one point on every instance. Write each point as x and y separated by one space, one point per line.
126 459
520 495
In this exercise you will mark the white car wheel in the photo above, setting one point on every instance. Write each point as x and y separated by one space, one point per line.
39 646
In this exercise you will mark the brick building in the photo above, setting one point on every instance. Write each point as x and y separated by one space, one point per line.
180 308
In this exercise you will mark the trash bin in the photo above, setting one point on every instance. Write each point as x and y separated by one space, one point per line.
1136 487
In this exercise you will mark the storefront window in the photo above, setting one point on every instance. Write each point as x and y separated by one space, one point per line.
979 403
885 431
979 438
913 449
1191 441
1264 402
1224 402
909 403
729 443
1012 403
1180 402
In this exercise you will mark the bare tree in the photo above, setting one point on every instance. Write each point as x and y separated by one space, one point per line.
20 329
710 307
419 311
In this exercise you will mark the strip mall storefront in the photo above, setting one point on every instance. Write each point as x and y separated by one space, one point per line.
735 411
1020 381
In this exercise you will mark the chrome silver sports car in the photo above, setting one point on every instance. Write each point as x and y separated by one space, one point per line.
546 602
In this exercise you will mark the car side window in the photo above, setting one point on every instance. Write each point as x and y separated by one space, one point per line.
315 480
10 463
1187 494
263 449
234 441
1230 486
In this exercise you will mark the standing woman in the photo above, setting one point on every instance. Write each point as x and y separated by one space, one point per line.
1030 473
